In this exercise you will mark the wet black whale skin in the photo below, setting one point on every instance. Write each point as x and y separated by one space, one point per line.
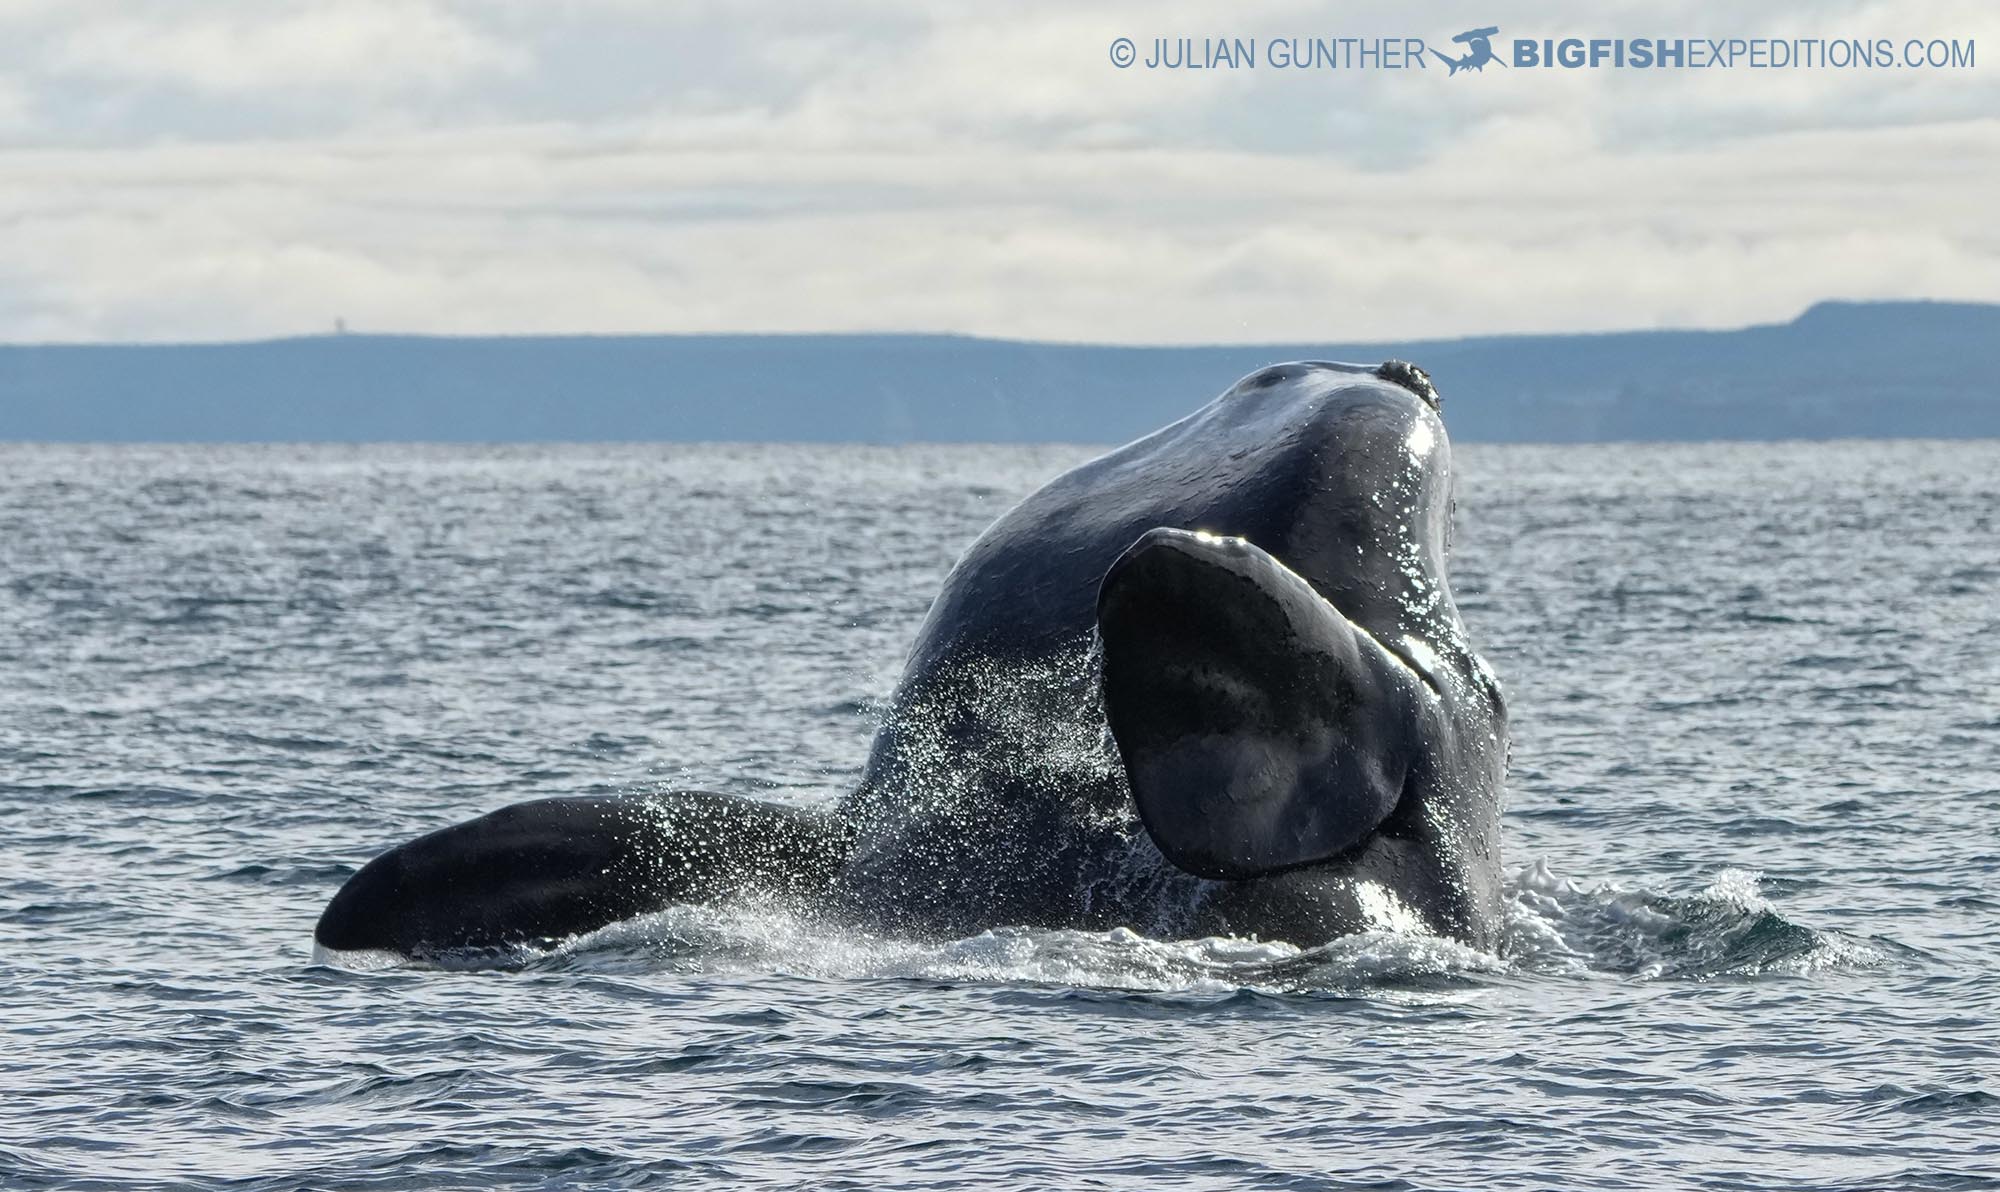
1210 682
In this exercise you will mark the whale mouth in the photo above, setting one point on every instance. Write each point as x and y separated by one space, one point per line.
1261 730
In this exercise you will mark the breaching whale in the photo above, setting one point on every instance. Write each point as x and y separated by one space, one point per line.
1211 682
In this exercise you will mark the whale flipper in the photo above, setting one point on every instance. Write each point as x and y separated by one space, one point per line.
1261 729
559 867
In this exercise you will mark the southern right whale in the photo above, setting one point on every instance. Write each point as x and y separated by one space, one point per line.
1213 681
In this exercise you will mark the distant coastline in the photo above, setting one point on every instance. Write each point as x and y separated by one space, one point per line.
1840 370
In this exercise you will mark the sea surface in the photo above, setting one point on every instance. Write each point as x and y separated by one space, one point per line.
1753 832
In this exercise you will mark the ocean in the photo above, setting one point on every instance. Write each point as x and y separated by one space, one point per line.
1752 831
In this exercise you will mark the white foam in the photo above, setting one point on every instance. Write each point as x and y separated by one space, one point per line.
772 939
1740 888
1554 925
362 960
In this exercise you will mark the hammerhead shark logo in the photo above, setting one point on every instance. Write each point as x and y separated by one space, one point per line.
1478 51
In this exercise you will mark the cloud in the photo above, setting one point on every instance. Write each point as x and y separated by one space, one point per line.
15 105
358 45
616 166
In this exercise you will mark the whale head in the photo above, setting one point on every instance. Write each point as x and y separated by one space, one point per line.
1285 683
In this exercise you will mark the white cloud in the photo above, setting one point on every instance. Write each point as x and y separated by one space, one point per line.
15 105
613 166
359 45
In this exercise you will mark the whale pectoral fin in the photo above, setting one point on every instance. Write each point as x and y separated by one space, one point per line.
1261 729
558 867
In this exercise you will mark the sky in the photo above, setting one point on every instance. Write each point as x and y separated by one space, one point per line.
240 169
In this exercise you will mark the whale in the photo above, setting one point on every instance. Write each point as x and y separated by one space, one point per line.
1211 682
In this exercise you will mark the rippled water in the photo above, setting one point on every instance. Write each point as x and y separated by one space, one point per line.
1752 824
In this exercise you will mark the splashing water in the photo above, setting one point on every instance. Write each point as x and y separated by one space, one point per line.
1726 929
1554 926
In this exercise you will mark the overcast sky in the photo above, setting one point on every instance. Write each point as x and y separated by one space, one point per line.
246 168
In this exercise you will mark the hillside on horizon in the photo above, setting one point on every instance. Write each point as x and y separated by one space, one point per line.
1841 369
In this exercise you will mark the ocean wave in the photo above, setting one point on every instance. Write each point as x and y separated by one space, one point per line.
1726 929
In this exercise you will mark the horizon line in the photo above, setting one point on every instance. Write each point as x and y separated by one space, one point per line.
342 332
